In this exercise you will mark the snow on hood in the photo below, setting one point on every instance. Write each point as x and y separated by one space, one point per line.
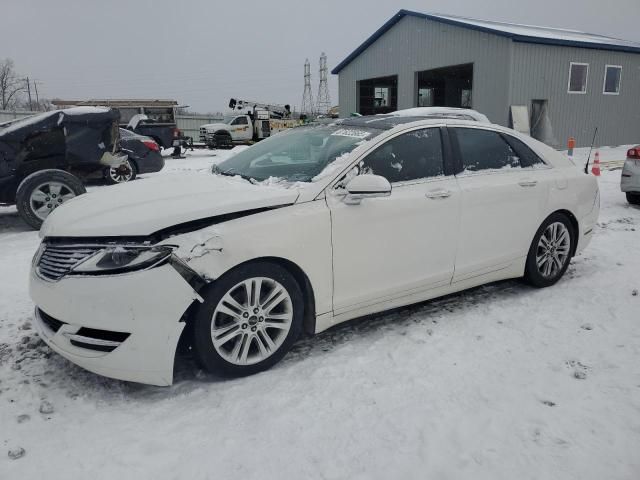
146 206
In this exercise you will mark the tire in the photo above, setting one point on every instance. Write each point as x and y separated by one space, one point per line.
223 140
242 348
633 198
42 192
551 251
122 174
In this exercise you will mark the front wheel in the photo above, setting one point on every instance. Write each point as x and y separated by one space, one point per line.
249 320
550 251
42 192
633 198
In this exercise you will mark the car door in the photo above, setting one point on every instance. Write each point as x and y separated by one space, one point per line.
241 128
400 245
504 187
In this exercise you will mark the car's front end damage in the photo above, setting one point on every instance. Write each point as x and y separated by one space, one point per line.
116 309
112 280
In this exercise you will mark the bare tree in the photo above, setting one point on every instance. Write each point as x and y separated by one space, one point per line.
11 85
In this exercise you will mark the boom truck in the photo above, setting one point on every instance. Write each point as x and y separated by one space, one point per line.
261 120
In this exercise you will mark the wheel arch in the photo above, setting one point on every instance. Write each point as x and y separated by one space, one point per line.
309 319
574 224
134 162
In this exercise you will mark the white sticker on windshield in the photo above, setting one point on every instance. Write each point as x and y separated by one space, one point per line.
351 132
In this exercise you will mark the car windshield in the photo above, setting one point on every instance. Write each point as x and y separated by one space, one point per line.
296 155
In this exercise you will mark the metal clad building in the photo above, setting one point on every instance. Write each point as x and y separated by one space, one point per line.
567 82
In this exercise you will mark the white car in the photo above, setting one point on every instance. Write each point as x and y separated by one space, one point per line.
630 179
307 229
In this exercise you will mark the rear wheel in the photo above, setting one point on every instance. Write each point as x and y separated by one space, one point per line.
249 320
550 251
123 173
633 198
42 192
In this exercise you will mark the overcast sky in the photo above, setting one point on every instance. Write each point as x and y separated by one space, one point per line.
202 52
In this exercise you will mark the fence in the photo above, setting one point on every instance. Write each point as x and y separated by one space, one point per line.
7 115
190 124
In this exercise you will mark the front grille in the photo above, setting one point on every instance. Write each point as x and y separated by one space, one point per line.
52 323
57 260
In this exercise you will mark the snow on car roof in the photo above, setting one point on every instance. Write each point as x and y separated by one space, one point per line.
390 120
15 125
442 112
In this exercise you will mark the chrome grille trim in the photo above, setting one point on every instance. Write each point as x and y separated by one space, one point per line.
56 260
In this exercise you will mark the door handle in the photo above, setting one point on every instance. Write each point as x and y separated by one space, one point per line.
528 183
438 194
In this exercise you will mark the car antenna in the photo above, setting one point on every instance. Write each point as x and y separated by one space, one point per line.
586 167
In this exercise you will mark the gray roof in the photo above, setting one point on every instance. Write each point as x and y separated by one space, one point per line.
518 33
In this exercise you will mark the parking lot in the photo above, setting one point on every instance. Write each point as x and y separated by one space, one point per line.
504 381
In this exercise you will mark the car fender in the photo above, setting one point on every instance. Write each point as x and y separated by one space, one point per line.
300 234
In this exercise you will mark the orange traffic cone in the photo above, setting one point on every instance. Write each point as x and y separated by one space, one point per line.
596 165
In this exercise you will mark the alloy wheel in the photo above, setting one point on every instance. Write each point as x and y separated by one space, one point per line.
48 196
122 173
251 321
553 249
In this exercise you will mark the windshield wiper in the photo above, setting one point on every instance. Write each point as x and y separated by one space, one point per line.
229 173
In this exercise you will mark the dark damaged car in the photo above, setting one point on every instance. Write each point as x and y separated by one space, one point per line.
45 158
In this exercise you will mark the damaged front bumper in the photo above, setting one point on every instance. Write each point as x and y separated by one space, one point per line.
124 326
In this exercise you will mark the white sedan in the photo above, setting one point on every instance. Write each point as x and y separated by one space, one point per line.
307 229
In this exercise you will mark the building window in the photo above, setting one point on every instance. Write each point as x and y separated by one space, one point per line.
425 97
377 95
578 73
450 86
612 79
381 96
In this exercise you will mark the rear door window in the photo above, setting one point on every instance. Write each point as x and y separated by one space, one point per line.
484 150
528 158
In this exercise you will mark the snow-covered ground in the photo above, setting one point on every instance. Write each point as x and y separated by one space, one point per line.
501 382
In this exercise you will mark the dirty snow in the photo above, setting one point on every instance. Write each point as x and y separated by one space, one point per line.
501 382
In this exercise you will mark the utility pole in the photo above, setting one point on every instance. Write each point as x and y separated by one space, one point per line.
29 91
35 85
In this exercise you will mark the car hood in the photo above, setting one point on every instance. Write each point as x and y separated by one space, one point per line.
146 206
215 126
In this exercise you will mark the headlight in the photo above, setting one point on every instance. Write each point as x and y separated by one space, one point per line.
123 259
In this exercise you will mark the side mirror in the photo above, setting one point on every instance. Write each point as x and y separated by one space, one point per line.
366 186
